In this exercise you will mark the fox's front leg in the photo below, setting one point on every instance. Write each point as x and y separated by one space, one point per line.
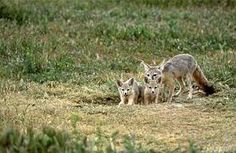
146 100
161 87
171 87
131 100
157 96
122 101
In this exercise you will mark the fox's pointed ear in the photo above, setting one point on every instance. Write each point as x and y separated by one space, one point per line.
159 80
146 80
146 66
131 81
161 66
119 83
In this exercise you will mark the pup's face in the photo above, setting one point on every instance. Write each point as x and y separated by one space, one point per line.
125 88
152 86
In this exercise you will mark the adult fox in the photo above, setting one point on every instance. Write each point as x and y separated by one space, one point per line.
182 66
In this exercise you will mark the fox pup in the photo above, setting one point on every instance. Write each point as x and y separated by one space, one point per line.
151 90
130 91
180 67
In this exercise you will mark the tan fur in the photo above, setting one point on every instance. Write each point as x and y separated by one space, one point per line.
152 72
180 67
200 78
130 92
151 91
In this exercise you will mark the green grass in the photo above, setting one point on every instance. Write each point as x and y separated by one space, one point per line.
70 52
49 140
49 40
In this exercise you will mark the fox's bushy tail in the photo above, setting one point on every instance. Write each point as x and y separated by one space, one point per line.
202 81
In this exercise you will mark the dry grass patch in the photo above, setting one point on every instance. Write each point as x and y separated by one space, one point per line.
162 126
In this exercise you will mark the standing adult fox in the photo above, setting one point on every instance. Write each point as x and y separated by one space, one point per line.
182 66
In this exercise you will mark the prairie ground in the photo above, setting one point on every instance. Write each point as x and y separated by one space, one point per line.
209 122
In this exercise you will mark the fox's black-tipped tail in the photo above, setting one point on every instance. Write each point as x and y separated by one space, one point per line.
202 82
209 89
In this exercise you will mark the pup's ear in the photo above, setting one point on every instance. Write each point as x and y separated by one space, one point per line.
131 81
146 80
146 66
119 83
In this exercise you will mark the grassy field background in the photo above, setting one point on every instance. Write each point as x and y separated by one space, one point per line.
59 61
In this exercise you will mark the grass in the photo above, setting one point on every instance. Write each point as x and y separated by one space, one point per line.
50 140
59 61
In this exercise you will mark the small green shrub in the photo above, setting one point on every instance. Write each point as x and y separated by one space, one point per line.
50 140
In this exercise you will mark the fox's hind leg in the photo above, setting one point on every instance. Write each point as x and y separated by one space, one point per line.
181 86
189 79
